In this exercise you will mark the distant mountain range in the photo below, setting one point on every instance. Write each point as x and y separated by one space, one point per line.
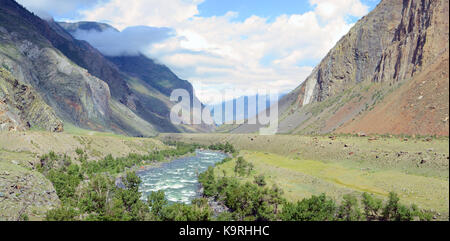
389 74
76 83
249 107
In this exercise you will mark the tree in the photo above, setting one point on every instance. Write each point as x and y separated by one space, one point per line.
198 211
276 197
94 197
250 167
372 206
349 209
157 201
61 214
260 180
243 167
316 208
207 179
394 211
128 200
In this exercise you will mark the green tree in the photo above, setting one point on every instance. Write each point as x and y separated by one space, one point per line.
316 208
128 200
93 199
394 211
372 206
157 201
207 179
349 209
260 180
61 214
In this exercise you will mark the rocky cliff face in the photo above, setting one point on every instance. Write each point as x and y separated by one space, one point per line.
27 49
386 49
22 108
392 43
127 95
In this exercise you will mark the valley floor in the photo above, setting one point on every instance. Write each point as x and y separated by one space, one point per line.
24 189
415 168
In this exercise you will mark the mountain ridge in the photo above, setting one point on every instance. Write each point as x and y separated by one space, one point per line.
84 87
382 52
146 79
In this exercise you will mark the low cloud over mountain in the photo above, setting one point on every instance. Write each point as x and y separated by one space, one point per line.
130 41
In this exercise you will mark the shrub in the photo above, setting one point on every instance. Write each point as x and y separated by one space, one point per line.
316 208
61 214
260 180
349 209
372 206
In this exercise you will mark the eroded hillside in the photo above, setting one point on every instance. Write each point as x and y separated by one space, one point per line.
389 74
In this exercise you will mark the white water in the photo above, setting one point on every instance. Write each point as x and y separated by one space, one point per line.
179 178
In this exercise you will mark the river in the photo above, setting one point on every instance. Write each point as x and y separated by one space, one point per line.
179 178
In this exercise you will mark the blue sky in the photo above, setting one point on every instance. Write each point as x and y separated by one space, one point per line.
263 8
220 46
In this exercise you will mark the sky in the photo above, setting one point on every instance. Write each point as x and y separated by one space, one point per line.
235 45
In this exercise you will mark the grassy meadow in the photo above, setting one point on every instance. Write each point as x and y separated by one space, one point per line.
415 168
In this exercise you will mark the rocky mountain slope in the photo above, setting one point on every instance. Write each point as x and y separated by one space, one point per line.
389 74
83 87
21 107
150 83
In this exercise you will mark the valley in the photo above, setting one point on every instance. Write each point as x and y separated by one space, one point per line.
415 168
89 131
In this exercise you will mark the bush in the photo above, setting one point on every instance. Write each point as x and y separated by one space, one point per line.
227 147
209 183
372 206
247 201
316 208
61 214
243 167
349 209
156 201
394 211
260 180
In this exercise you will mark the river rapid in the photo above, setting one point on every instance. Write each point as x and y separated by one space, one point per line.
179 178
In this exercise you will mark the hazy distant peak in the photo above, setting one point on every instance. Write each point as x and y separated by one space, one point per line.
87 26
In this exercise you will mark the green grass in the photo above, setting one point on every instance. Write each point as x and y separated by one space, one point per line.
74 130
382 153
303 178
315 164
20 152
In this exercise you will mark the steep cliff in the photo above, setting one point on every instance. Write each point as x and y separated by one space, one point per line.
375 72
27 49
22 108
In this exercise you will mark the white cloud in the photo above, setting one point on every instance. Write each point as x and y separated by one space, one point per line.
329 9
220 52
130 41
47 8
143 12
222 57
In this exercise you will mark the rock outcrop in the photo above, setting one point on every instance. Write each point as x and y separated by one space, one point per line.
22 108
375 63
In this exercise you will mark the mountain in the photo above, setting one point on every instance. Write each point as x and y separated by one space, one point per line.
389 74
21 107
249 106
150 83
85 25
78 83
